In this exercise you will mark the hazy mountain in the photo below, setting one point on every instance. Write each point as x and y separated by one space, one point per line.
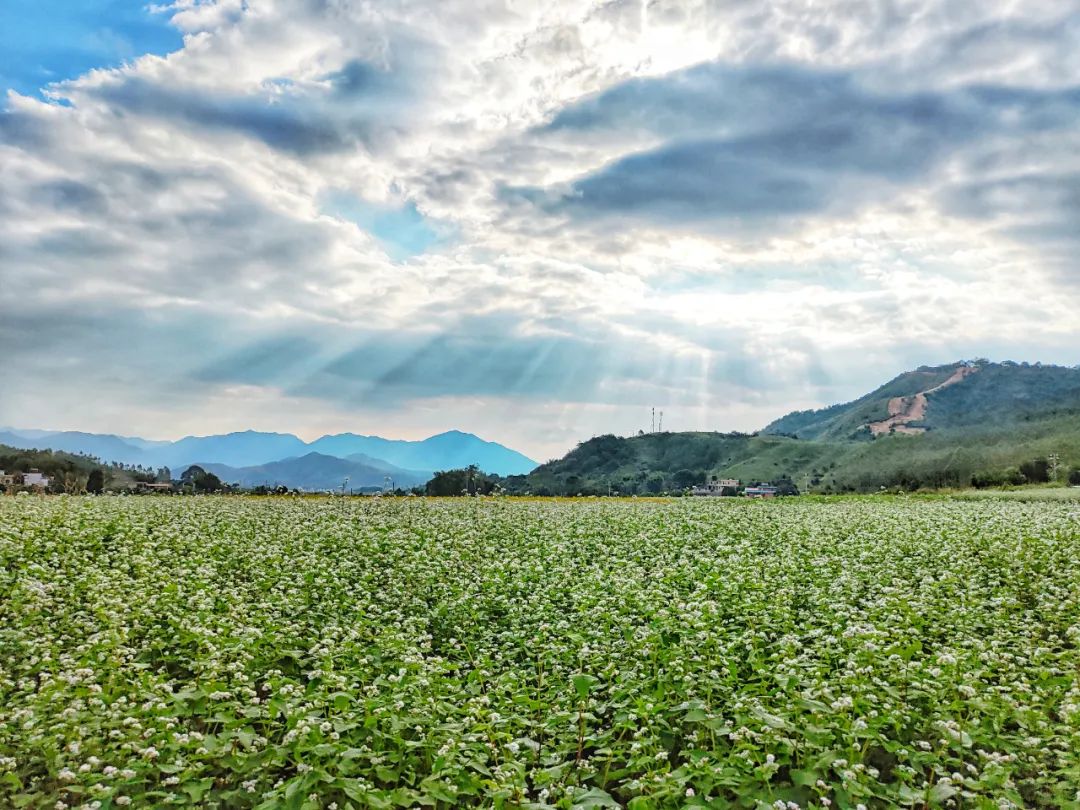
104 446
314 471
441 452
253 448
243 449
932 427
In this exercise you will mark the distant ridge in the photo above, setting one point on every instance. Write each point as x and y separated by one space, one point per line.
253 448
317 472
449 450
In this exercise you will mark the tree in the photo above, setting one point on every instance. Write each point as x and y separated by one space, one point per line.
95 484
1074 477
688 478
191 473
1036 471
468 481
200 480
1013 476
447 482
655 483
785 486
208 482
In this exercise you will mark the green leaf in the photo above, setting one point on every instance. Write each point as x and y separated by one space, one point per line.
595 798
440 790
942 791
804 777
197 789
769 719
386 774
583 684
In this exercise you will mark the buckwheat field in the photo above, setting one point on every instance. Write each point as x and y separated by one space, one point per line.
335 653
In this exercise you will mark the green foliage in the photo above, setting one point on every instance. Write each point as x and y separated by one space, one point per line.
1074 477
200 480
56 465
467 481
1036 471
1005 394
583 685
846 421
987 455
998 394
302 653
95 483
688 478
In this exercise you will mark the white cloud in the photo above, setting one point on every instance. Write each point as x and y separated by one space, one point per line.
163 242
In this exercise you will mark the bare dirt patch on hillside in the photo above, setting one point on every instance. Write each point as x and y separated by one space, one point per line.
905 410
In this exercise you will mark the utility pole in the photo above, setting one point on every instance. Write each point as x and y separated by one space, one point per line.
1053 460
652 425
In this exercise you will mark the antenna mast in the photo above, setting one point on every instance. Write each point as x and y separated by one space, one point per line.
652 425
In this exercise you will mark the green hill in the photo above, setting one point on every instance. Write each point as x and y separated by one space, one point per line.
963 395
932 427
657 462
67 471
849 420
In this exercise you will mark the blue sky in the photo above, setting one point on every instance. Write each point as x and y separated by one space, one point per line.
534 222
44 41
402 231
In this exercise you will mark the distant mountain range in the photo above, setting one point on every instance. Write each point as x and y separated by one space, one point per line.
932 427
315 471
251 449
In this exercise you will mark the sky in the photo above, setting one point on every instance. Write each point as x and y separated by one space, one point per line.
531 221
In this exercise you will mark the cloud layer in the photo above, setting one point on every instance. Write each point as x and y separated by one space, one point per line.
535 222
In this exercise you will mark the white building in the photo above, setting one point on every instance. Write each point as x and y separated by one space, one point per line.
718 486
34 478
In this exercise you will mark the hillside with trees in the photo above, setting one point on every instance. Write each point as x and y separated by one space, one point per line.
984 394
67 472
979 423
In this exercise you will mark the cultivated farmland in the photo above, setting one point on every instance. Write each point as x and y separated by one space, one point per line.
334 653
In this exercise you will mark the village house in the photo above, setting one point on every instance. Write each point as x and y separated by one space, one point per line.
33 479
718 486
144 486
760 492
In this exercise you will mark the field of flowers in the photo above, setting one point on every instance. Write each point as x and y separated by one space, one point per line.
335 653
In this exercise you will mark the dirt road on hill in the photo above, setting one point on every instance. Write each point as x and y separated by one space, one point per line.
905 410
